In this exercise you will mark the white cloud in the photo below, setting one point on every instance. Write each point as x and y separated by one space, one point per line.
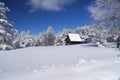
49 5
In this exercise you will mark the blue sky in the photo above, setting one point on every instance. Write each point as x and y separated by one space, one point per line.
37 15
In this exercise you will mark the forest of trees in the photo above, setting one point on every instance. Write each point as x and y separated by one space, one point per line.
106 14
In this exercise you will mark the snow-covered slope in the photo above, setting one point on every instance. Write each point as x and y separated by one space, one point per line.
60 63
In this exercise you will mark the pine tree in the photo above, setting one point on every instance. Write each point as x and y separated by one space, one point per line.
48 38
6 28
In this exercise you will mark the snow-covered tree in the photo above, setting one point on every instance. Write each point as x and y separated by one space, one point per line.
43 39
6 28
107 12
16 41
60 39
98 33
93 33
37 40
26 40
48 38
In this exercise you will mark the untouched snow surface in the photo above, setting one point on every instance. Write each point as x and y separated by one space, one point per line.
60 63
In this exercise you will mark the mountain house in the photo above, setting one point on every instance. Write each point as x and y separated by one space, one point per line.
73 39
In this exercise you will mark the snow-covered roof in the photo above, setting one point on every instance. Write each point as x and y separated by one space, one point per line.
74 37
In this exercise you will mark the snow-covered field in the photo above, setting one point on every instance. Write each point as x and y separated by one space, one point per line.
76 62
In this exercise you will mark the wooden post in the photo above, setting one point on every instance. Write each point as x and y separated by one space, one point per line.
118 42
